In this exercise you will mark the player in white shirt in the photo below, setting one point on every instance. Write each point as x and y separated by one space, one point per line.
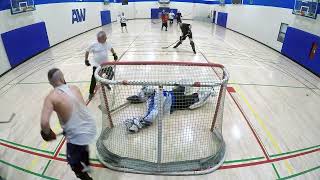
123 22
171 17
100 51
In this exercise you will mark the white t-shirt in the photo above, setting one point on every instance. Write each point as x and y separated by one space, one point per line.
171 15
100 53
123 19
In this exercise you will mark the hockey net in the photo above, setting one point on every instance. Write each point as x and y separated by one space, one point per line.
184 133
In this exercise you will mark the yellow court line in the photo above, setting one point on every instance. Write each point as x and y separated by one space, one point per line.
44 144
264 128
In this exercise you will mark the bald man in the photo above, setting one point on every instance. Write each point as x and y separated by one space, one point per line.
75 119
100 50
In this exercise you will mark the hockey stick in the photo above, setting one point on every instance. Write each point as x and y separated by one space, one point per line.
10 119
155 22
124 105
170 45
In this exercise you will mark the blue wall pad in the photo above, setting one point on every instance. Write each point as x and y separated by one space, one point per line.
154 13
22 43
297 46
222 19
105 17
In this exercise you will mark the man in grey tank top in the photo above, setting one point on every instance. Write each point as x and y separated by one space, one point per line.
75 119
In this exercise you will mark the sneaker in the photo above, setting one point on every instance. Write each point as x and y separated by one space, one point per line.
194 52
203 99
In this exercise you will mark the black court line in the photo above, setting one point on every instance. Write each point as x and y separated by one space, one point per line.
10 119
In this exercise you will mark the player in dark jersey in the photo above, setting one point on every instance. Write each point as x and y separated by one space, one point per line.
186 32
179 15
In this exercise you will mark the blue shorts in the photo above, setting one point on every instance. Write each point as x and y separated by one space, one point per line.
77 154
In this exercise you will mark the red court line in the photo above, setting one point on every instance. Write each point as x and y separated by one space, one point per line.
221 168
59 148
231 89
250 126
268 161
26 151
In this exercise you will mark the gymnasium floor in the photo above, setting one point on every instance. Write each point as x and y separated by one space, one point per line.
271 116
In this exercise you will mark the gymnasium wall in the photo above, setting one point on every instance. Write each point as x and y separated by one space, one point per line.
260 21
59 25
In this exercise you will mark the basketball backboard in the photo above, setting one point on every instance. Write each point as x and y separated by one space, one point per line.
307 8
20 6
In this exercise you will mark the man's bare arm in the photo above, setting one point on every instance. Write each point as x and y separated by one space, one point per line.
47 110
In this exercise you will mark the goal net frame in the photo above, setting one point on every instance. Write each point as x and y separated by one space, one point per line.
115 161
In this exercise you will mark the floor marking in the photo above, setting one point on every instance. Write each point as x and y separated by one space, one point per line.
48 163
251 128
243 160
231 89
69 82
269 85
27 171
222 167
300 173
275 169
44 145
27 147
10 119
264 128
291 152
268 161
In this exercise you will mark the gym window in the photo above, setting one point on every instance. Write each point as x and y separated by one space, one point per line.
282 32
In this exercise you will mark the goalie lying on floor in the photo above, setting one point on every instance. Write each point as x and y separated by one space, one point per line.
169 101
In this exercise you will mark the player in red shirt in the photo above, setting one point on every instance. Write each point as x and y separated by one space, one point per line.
164 18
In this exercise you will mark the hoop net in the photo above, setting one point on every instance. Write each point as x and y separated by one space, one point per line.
181 140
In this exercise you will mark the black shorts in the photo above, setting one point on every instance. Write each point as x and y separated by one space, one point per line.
77 154
165 24
182 101
123 24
